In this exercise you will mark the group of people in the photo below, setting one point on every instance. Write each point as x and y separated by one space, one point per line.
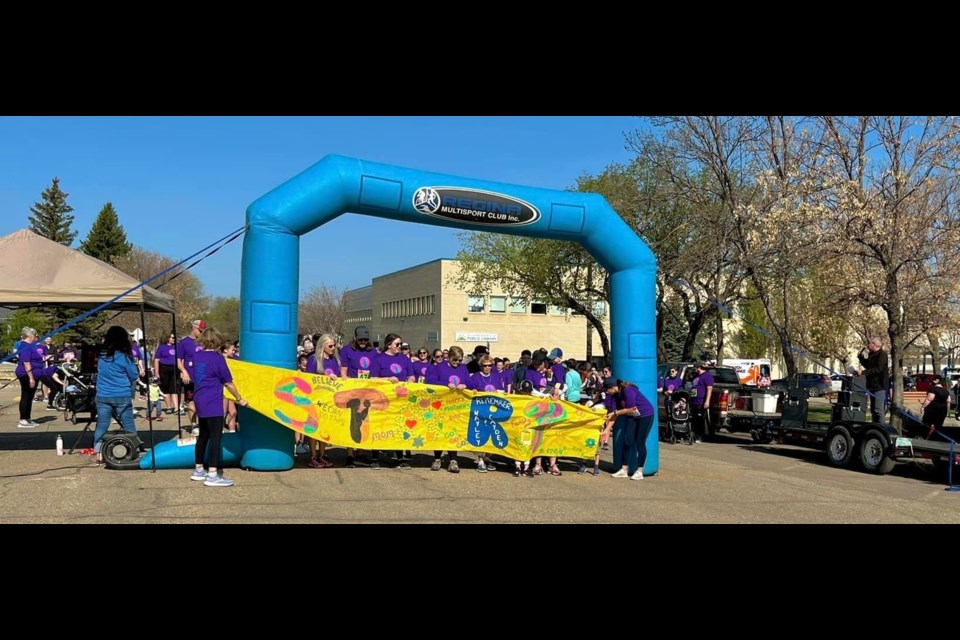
539 373
198 364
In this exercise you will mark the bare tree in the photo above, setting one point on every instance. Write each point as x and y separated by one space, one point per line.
323 309
187 291
894 221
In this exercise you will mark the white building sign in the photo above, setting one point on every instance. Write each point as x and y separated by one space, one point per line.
476 337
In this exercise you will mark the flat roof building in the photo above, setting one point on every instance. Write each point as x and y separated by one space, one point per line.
422 307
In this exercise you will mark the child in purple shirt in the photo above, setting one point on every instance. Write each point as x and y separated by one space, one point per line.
211 375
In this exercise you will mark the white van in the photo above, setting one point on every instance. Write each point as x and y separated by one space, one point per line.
750 371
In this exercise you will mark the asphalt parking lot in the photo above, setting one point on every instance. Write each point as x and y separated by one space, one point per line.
732 480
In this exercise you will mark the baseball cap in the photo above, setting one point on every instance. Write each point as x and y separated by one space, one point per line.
199 324
405 345
609 383
555 353
480 349
361 333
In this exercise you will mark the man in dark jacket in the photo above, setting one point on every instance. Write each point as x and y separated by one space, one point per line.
873 363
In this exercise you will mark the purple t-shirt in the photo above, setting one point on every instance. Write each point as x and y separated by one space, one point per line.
330 367
211 374
672 384
312 363
700 384
28 352
489 384
42 349
610 403
185 351
49 371
167 355
420 369
357 361
559 375
135 349
388 366
445 375
537 379
630 396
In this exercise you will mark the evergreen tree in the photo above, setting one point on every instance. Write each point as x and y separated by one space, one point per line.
106 240
51 218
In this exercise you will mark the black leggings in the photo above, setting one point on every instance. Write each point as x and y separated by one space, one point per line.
451 455
26 396
211 430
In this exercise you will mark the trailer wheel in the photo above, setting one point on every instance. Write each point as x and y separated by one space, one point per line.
840 447
873 453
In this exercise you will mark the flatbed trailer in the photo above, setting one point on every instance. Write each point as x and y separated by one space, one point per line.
850 439
875 447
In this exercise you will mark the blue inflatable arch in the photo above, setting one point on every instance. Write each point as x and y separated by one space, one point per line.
337 185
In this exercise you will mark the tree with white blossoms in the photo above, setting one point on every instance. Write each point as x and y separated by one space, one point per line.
750 179
893 221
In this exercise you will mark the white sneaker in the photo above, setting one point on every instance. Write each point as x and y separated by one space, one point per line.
620 474
27 424
637 476
195 431
217 481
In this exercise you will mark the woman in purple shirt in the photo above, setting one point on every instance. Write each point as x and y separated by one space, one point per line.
29 366
395 367
421 364
453 374
325 362
211 375
632 416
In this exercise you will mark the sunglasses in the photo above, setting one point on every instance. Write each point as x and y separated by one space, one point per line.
453 361
486 365
422 353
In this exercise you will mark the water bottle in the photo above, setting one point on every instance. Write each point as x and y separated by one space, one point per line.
59 446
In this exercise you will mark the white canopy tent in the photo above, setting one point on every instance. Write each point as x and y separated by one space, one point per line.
37 272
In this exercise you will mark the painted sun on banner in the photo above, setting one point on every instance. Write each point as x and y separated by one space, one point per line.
379 414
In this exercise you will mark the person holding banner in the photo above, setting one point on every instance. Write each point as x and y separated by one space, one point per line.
356 359
451 373
210 376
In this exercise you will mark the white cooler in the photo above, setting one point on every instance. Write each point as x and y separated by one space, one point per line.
765 402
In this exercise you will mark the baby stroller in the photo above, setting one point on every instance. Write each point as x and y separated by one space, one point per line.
679 421
79 394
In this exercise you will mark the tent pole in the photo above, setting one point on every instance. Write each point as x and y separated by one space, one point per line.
146 343
176 377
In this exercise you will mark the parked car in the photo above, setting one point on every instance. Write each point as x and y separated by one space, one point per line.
816 384
923 381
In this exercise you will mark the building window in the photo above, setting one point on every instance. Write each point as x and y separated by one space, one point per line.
538 308
475 304
498 304
557 311
518 305
433 336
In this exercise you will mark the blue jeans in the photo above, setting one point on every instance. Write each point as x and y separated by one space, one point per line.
122 408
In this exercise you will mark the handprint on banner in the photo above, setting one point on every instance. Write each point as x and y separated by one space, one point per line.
486 414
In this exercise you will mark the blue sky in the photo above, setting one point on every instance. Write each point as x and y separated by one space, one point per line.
179 183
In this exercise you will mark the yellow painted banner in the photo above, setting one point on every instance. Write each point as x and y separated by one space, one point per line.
379 414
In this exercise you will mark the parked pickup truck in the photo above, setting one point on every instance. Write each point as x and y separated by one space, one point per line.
731 404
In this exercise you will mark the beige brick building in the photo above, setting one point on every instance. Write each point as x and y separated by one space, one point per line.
419 305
